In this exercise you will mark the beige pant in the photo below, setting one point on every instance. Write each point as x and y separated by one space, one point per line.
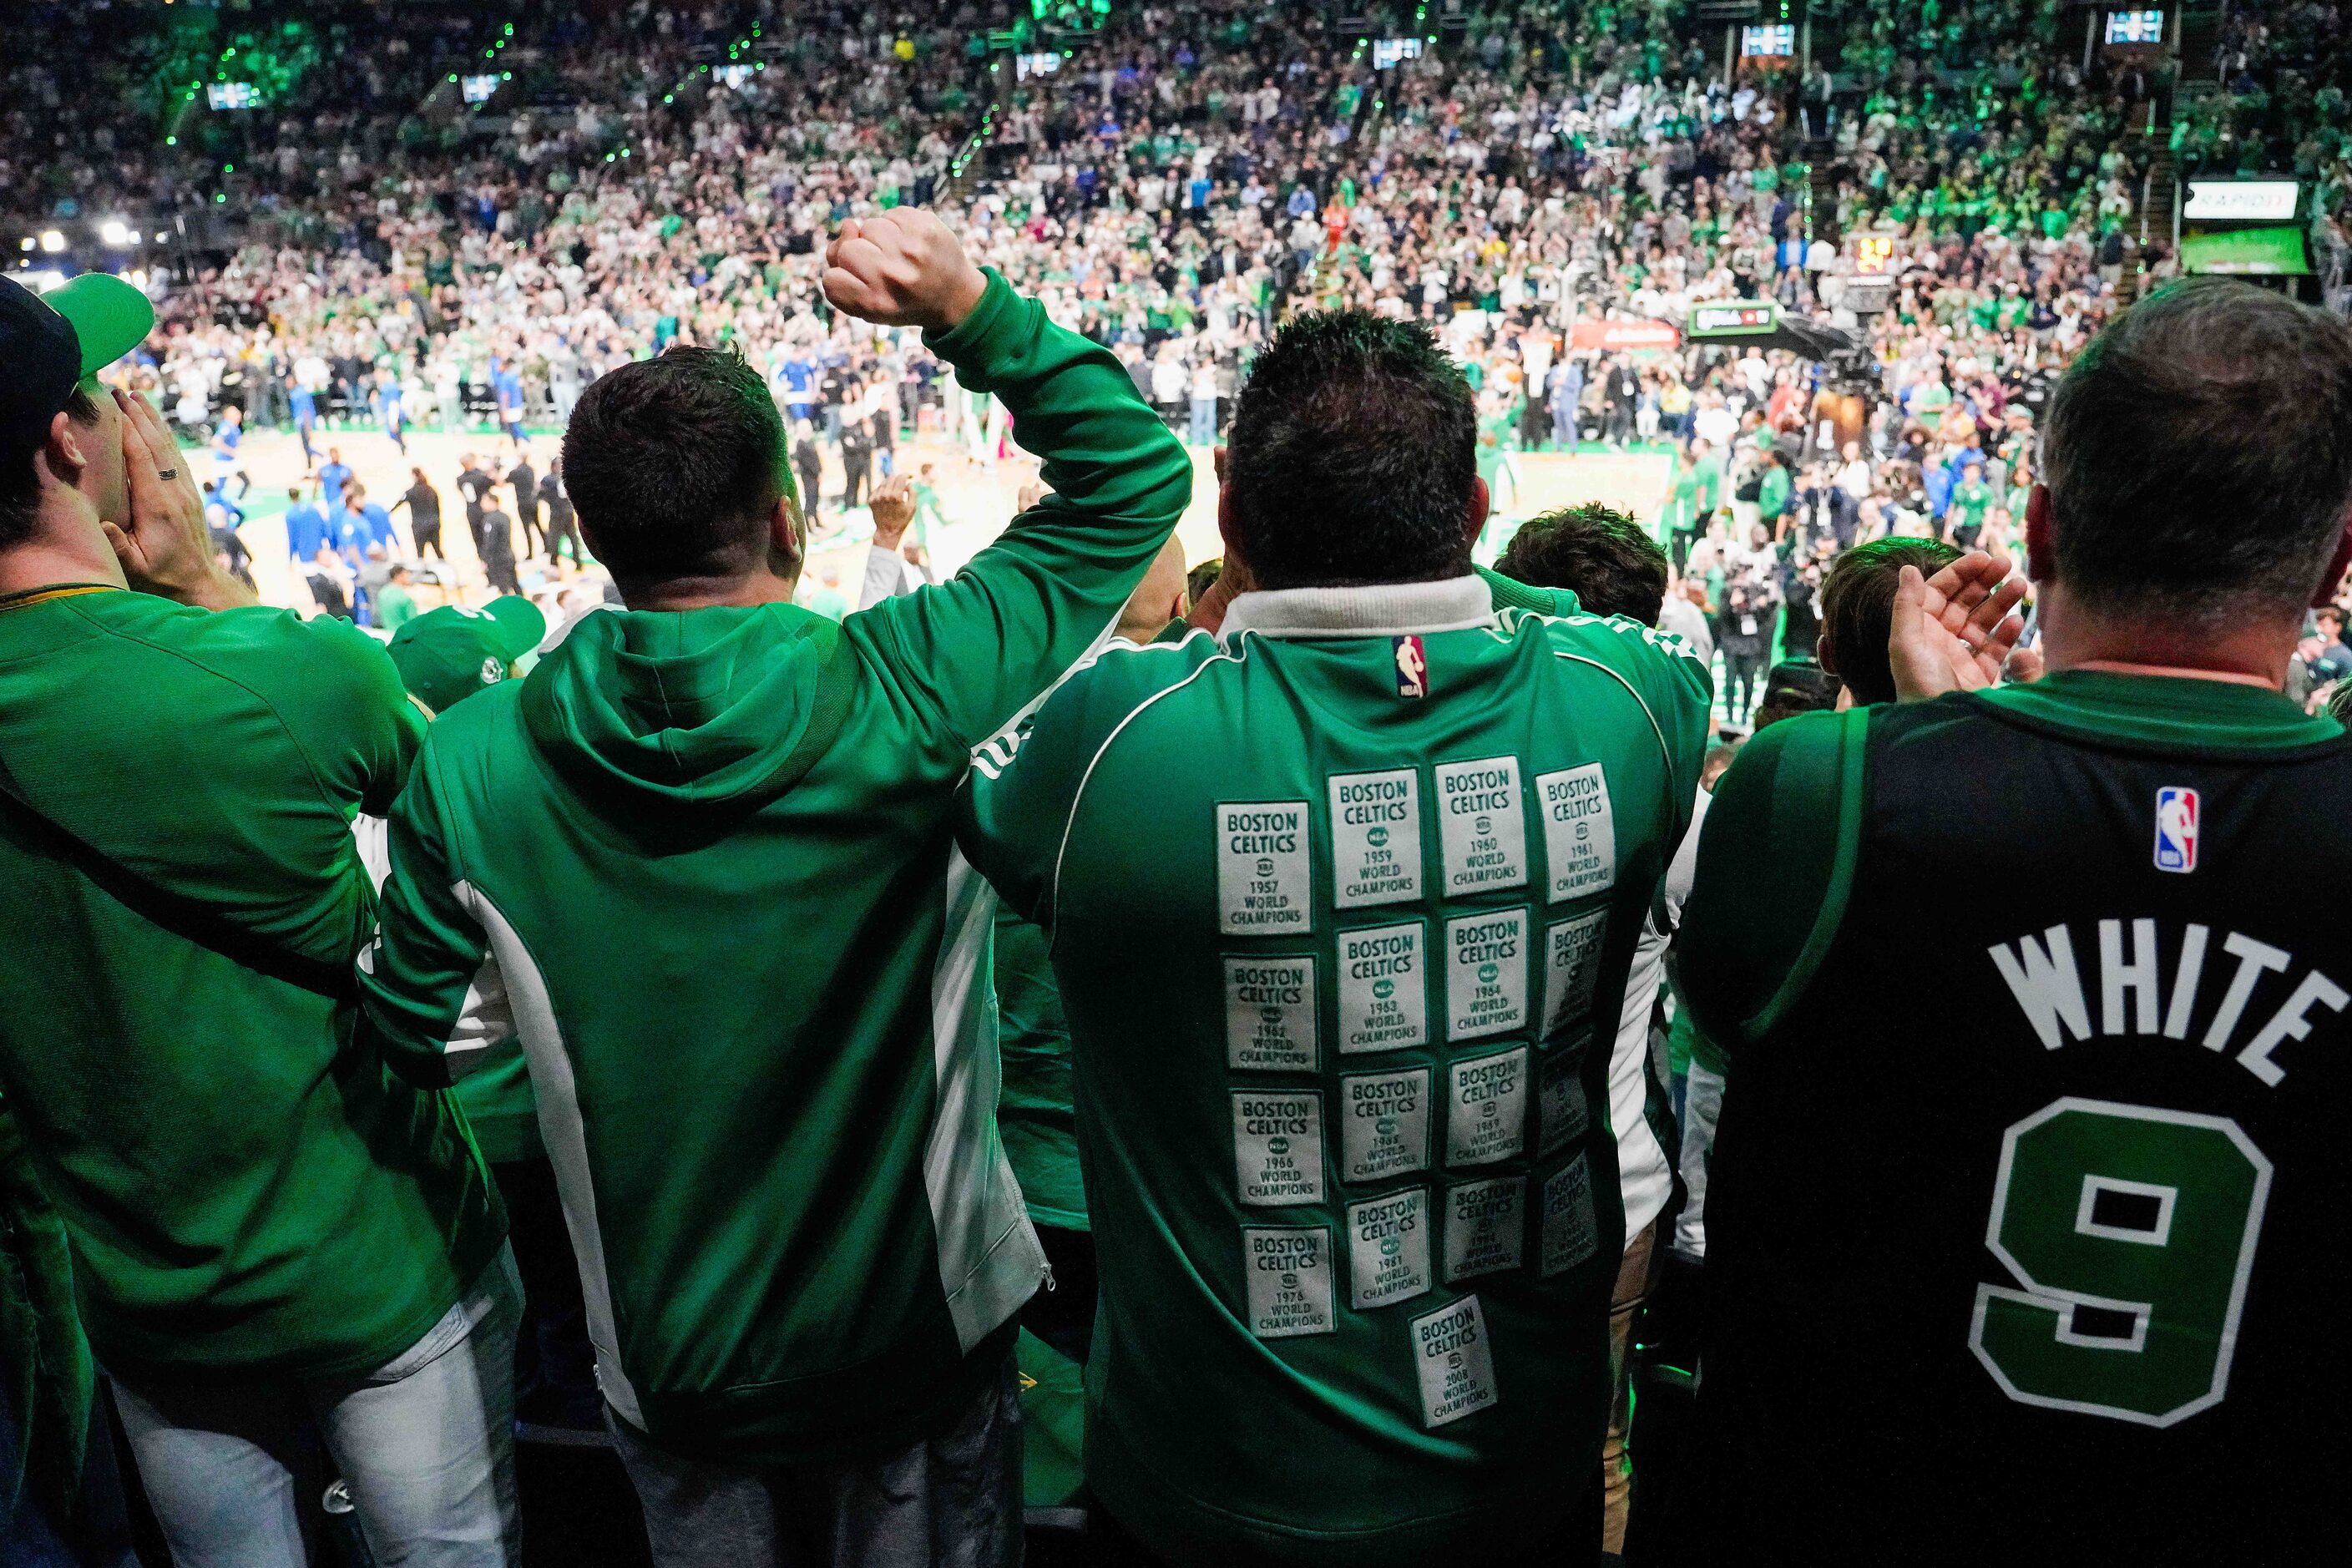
1635 1278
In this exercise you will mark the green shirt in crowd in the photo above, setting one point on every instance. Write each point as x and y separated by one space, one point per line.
184 899
1335 901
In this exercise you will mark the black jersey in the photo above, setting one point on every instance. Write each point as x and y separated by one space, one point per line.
2025 1220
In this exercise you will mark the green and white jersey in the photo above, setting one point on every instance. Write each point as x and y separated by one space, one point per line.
705 858
182 903
1342 904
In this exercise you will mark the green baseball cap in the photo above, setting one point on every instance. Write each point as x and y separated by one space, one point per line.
50 342
445 656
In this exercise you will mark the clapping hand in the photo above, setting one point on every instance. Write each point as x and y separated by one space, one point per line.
1954 631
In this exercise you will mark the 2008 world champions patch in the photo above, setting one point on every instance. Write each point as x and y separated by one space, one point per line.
1456 1364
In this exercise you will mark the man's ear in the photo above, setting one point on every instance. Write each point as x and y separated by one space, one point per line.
1475 523
787 537
2336 566
2041 550
68 448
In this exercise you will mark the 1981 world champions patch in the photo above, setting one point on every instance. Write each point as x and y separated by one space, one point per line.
1388 1248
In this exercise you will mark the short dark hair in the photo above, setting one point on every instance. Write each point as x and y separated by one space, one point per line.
2199 455
1353 451
20 485
1200 579
675 464
1607 559
1858 607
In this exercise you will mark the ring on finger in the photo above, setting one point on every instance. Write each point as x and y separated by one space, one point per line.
167 473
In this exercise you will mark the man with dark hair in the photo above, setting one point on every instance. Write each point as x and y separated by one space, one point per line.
1858 605
1603 556
2075 1216
702 849
271 1245
1342 902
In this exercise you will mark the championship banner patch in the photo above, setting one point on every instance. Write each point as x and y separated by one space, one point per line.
1383 1002
1278 1148
1264 886
1289 1280
1481 832
1270 1014
1375 838
1486 1108
1384 1124
1388 1250
1456 1364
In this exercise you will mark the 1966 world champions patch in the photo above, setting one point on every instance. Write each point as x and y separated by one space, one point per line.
1278 1147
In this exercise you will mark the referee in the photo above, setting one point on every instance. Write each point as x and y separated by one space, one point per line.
2026 1215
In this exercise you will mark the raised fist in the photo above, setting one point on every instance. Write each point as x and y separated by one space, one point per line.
902 269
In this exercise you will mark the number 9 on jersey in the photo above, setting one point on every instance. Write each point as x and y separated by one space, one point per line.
2131 1231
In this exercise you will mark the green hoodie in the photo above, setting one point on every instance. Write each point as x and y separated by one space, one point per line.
705 859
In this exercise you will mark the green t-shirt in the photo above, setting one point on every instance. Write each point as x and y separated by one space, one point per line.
184 901
395 606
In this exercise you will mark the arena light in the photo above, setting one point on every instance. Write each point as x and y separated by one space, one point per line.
26 244
52 241
117 234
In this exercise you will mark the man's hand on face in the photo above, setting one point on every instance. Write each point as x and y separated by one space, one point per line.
893 505
901 269
1954 631
166 549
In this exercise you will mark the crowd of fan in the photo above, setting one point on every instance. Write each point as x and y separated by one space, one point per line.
1188 176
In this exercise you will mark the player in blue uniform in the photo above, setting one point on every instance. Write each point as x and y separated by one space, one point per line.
305 404
387 407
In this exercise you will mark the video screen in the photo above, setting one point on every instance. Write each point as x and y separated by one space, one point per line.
479 89
233 95
2135 26
1387 52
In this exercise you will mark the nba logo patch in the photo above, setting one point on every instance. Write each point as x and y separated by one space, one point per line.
1412 668
2176 829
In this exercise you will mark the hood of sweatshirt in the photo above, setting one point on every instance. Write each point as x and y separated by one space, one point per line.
690 708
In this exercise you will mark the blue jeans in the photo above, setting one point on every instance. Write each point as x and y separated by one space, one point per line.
426 1442
1204 432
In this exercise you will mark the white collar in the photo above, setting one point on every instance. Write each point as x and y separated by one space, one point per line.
1381 609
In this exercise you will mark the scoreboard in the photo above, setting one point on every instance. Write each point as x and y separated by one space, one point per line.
1734 320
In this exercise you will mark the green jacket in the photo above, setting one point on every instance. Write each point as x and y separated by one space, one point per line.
183 899
1336 899
705 856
